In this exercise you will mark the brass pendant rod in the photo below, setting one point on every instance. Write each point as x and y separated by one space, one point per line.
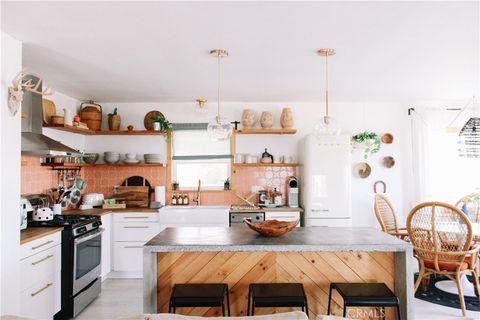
326 85
218 89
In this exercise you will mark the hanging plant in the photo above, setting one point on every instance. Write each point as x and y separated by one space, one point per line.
371 141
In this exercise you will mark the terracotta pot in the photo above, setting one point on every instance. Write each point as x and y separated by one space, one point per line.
114 122
286 119
249 118
266 120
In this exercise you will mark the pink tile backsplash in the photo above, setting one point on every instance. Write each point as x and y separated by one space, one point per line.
38 179
35 178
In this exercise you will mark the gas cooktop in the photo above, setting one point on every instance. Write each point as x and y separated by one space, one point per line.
67 221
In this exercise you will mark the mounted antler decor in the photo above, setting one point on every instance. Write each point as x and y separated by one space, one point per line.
23 82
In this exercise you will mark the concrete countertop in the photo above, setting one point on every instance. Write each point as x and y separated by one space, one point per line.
303 239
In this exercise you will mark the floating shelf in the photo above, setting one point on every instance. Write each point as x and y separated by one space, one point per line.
75 165
266 131
265 164
72 129
78 130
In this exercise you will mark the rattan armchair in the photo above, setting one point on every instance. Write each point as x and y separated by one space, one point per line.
387 218
442 239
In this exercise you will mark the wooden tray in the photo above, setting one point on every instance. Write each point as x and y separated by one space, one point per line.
114 206
49 110
272 228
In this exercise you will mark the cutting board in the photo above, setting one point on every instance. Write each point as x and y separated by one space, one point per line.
133 196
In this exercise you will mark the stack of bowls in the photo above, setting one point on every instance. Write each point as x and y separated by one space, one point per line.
154 158
111 157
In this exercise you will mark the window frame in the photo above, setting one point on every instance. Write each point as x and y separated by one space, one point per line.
170 165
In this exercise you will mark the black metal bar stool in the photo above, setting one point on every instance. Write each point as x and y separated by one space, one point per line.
273 295
365 295
199 295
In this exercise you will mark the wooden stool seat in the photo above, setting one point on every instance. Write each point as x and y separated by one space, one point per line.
364 295
273 295
199 295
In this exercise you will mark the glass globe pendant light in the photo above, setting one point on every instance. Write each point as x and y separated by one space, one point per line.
219 129
327 126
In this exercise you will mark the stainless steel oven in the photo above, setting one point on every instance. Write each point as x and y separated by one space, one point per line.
87 258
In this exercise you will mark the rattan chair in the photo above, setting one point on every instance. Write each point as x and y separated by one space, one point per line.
442 239
387 219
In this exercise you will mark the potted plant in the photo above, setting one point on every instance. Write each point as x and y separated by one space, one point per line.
160 123
114 120
226 184
174 185
371 141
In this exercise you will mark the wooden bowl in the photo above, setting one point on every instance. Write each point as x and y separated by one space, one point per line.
272 228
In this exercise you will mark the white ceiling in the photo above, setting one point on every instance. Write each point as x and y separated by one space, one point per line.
152 51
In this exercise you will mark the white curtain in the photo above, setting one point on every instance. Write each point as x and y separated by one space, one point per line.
439 173
419 137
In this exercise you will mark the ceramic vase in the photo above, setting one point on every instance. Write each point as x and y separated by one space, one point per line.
286 119
249 118
266 120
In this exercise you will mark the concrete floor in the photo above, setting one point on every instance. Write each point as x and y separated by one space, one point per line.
123 297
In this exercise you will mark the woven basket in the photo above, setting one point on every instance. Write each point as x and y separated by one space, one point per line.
91 115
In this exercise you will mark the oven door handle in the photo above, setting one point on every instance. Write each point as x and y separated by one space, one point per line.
89 236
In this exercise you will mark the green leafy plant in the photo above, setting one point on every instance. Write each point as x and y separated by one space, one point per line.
174 185
226 184
371 141
165 125
114 113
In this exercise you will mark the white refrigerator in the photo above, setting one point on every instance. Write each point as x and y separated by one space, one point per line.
325 172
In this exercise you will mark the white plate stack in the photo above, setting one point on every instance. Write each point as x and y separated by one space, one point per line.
111 157
154 158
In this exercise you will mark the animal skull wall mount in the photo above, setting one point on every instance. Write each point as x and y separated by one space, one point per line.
19 85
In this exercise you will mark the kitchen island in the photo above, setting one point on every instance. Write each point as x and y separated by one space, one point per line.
314 256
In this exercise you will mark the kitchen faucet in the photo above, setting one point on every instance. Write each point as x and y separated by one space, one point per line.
197 198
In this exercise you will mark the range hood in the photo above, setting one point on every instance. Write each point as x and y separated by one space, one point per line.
33 140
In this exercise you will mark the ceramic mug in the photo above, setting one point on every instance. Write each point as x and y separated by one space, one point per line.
239 158
278 159
248 158
57 209
131 156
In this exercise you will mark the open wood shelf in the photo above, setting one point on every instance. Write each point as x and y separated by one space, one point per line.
78 130
265 164
266 131
123 165
72 129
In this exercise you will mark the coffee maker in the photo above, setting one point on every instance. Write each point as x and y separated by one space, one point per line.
292 190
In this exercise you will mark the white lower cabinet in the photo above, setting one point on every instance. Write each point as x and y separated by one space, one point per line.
41 278
131 230
283 215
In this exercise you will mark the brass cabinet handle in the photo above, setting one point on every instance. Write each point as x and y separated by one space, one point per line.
136 217
41 245
47 257
37 292
136 227
132 247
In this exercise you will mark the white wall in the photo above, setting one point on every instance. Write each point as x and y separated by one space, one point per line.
63 101
353 117
11 63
